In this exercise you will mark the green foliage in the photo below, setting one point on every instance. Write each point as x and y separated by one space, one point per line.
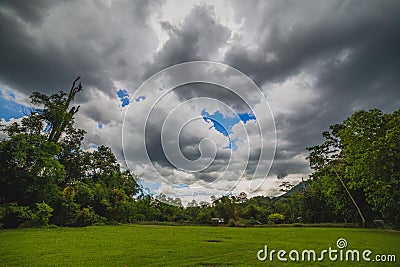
87 216
204 216
43 214
275 218
29 170
252 212
362 152
15 215
55 110
373 160
227 208
42 162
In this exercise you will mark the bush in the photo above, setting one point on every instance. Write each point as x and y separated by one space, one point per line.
275 218
43 214
87 217
15 216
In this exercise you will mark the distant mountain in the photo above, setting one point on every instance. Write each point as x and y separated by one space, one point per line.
300 187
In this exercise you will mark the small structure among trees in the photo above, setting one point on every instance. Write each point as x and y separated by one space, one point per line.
216 221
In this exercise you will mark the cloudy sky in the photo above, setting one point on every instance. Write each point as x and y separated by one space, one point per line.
283 72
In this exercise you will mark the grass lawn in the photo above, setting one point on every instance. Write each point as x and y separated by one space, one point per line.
152 245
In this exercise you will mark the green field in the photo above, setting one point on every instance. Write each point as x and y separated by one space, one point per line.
152 245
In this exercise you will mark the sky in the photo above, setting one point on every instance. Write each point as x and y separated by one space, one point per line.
278 74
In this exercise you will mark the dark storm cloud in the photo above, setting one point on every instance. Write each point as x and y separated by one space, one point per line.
371 75
289 37
188 145
225 95
29 11
350 46
206 177
44 47
23 66
197 38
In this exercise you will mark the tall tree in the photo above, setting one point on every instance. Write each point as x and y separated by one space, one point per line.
359 165
29 170
56 111
42 160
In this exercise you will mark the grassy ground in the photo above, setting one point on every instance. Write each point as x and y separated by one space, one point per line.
152 245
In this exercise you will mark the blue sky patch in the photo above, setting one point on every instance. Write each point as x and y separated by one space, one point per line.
221 123
123 96
224 124
151 185
9 108
245 117
122 93
48 127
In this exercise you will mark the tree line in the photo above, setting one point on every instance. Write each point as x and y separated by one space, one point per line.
47 178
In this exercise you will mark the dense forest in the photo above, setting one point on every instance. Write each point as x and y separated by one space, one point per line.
47 178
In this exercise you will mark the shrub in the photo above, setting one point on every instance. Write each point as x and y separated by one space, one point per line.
15 215
87 216
275 218
43 214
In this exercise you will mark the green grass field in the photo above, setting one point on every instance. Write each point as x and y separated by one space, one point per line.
152 245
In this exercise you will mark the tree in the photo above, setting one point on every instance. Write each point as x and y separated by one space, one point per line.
56 111
42 162
358 157
275 218
227 208
372 149
252 211
29 170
